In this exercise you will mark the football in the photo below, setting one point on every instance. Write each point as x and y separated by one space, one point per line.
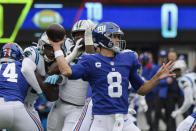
55 32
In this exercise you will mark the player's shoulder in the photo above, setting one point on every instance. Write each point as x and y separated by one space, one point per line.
32 53
130 53
88 56
184 81
31 50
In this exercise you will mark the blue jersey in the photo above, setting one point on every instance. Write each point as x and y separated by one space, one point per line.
13 86
109 78
193 115
89 92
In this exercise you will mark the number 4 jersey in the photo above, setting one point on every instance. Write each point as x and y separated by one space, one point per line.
109 78
13 86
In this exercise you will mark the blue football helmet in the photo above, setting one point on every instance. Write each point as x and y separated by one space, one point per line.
11 51
102 36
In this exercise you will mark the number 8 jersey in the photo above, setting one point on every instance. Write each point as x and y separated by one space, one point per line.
13 86
109 78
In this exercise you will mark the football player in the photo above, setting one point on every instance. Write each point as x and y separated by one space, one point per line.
38 59
13 89
187 84
109 73
72 94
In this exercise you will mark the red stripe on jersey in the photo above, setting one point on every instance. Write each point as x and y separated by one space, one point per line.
7 50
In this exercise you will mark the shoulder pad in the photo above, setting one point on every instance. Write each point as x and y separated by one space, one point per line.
131 51
184 82
32 53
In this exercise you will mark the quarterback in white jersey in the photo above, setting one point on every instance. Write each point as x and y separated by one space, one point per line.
72 93
187 83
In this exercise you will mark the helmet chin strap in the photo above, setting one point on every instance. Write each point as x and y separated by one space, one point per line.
47 59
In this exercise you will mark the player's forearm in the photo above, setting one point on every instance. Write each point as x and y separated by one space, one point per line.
51 93
89 49
148 86
59 55
63 66
188 100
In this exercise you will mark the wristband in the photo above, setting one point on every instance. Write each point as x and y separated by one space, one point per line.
58 53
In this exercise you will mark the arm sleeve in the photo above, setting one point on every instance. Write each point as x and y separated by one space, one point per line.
82 69
29 74
134 78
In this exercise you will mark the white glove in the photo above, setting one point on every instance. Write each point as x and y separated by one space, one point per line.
75 52
175 113
143 106
88 39
131 111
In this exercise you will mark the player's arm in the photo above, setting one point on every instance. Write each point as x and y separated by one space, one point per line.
188 98
50 91
63 63
163 72
28 69
88 40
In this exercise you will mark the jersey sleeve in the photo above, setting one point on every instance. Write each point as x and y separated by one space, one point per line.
81 69
29 65
184 83
134 78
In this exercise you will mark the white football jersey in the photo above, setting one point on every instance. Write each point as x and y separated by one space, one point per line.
188 81
33 54
74 91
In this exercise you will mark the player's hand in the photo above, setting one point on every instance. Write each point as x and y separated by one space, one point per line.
78 46
52 79
44 100
131 111
175 113
144 106
165 71
56 45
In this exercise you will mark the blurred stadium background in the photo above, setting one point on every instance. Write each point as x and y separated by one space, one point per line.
149 25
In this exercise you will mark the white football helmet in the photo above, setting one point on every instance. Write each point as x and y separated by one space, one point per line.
180 64
40 46
82 25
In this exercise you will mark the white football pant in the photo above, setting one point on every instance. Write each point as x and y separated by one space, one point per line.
15 117
63 116
115 122
188 124
86 117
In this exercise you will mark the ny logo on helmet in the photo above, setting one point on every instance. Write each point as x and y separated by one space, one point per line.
101 28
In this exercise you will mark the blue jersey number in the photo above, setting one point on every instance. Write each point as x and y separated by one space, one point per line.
10 72
114 84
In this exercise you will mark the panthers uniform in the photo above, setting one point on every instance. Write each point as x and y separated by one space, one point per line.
36 61
13 89
188 84
67 109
